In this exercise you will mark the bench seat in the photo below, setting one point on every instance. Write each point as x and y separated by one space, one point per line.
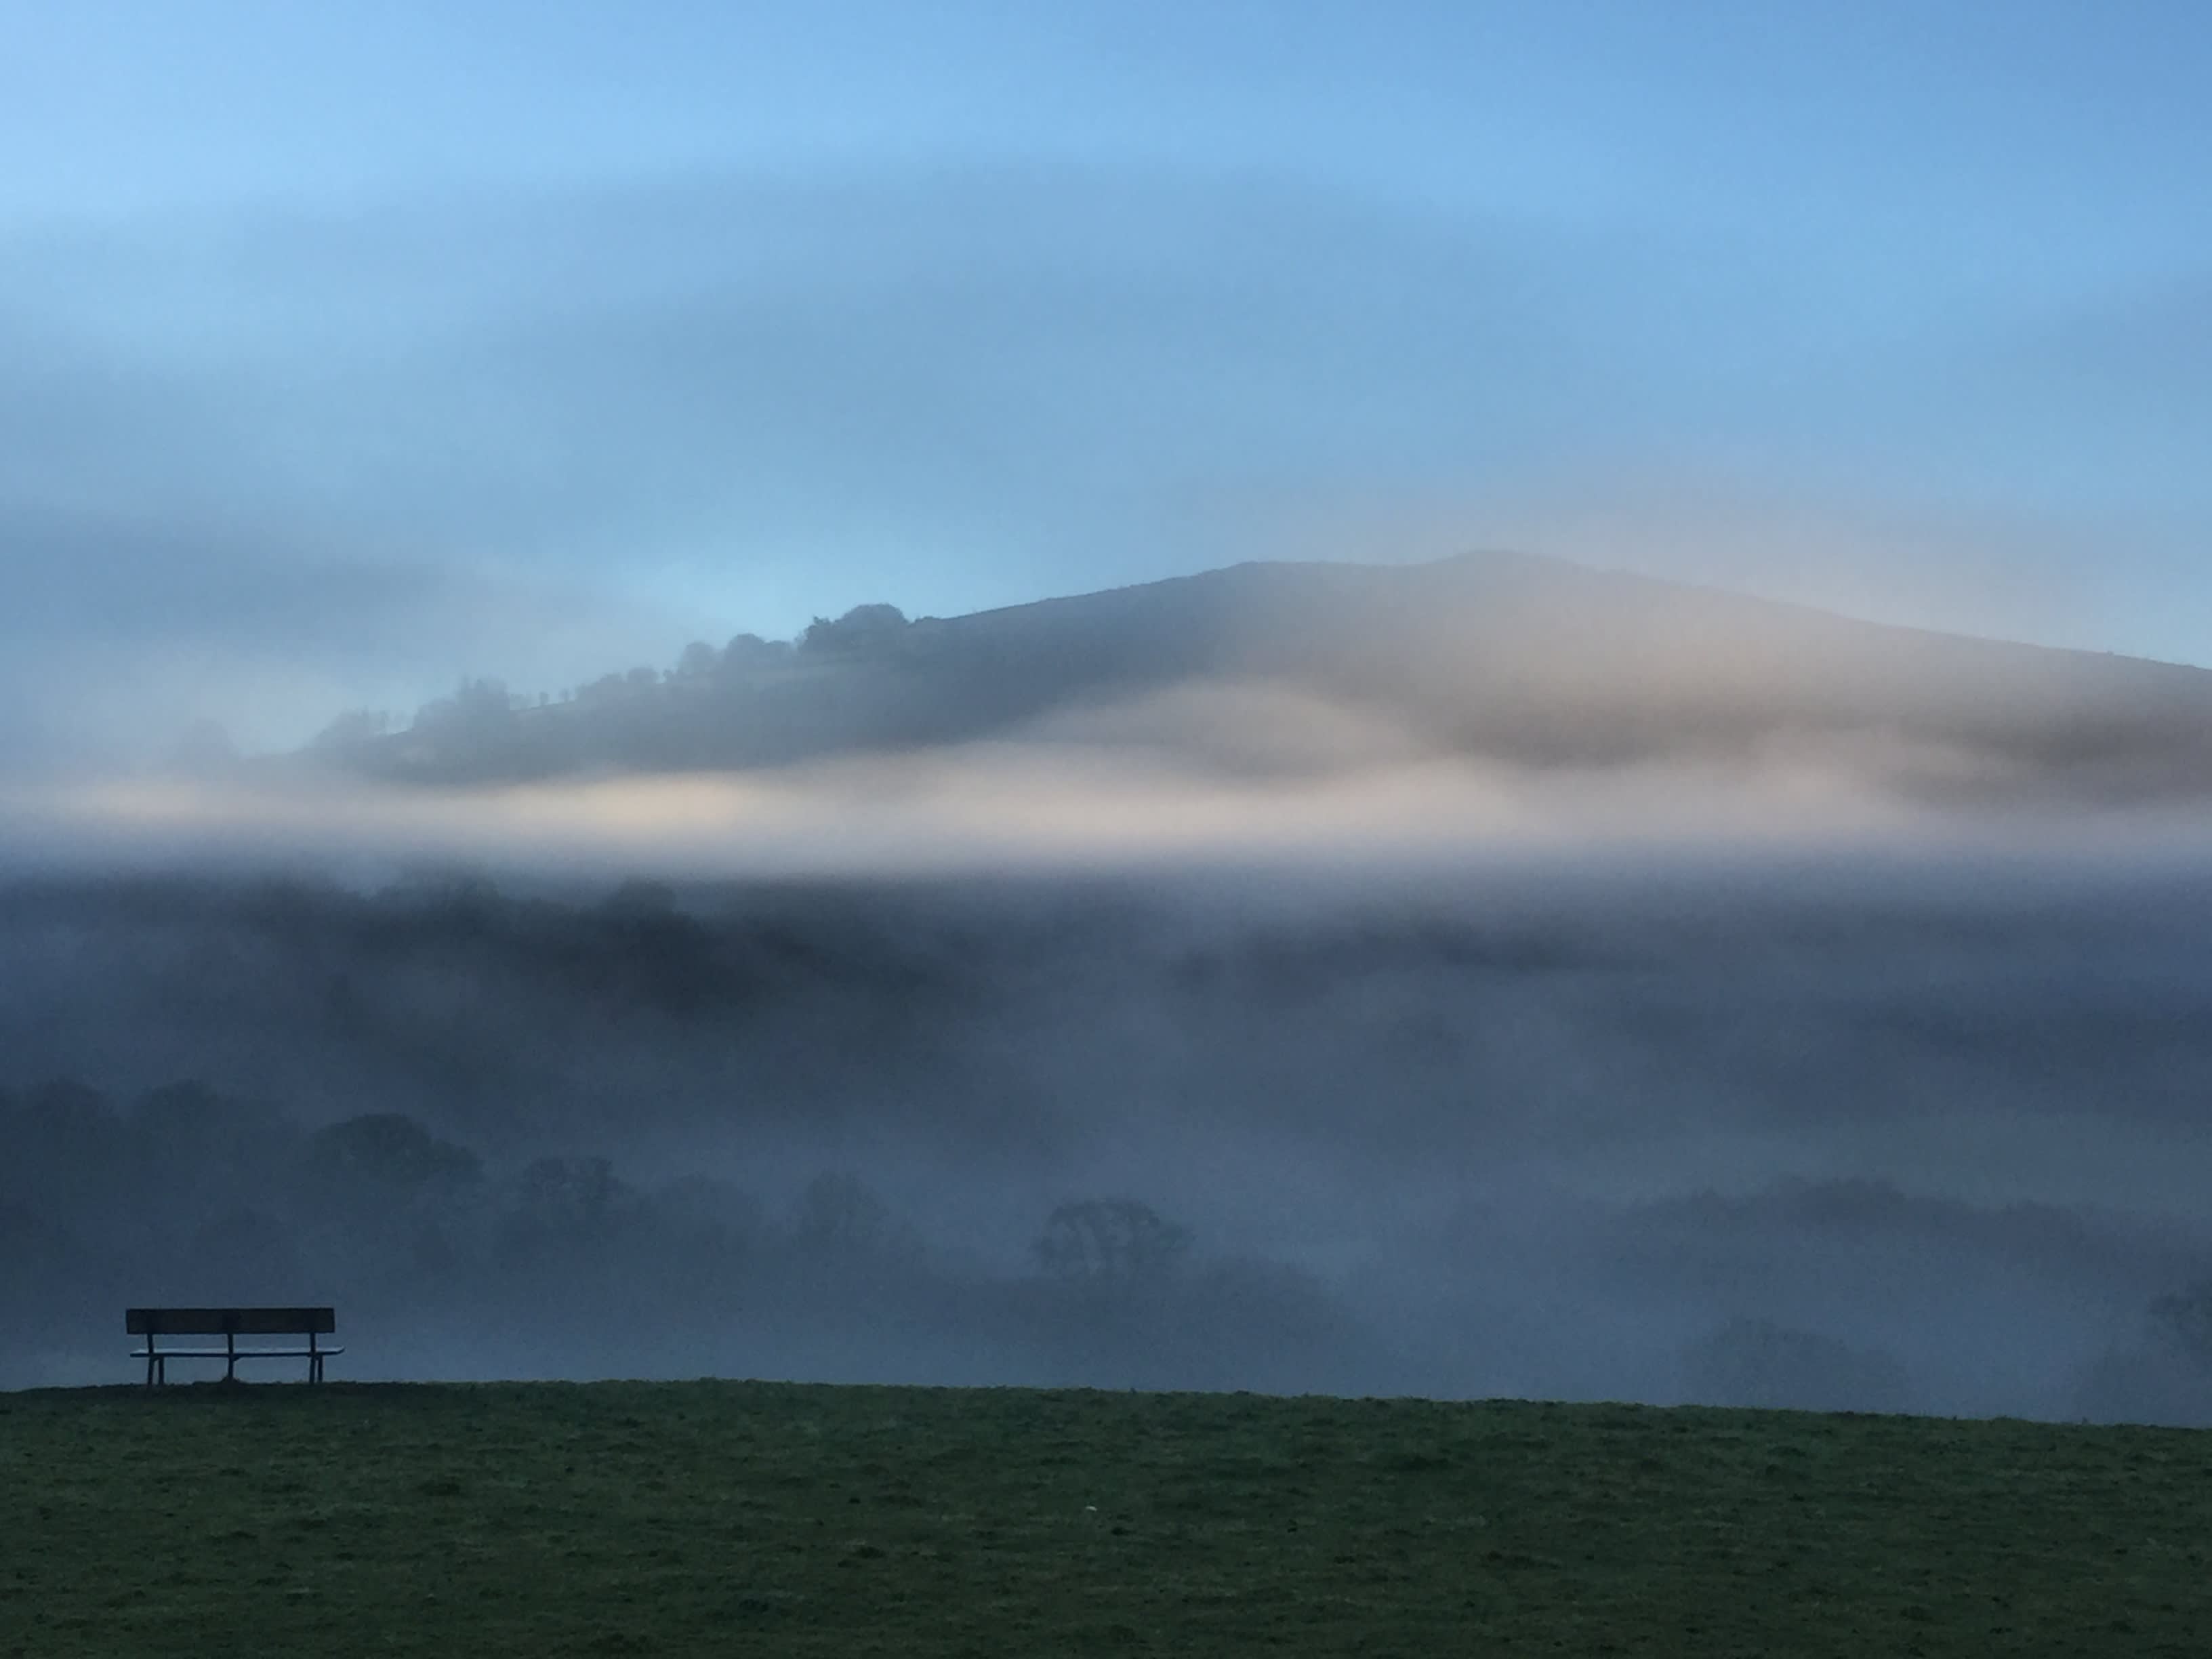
229 1324
232 1353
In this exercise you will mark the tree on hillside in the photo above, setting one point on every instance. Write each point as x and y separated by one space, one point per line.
1110 1242
606 690
2183 1321
477 705
574 1198
746 652
864 630
352 728
839 1217
392 1152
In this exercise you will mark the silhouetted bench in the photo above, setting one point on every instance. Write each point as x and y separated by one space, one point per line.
229 1324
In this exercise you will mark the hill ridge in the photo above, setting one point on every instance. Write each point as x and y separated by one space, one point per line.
1505 657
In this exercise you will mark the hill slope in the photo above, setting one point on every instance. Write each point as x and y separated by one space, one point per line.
1526 661
695 1518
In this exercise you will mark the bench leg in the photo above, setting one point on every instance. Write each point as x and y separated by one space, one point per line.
314 1360
151 1357
230 1365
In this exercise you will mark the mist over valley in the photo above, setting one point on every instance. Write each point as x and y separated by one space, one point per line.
1491 977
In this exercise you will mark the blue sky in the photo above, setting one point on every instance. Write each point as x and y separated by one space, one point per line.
347 347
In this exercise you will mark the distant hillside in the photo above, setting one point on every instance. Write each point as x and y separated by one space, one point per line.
1523 660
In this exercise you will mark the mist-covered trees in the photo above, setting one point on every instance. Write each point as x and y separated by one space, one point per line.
192 1195
751 700
840 1218
351 729
747 653
1109 1244
392 1152
476 708
975 1059
567 1204
2160 1372
2182 1321
864 630
535 1241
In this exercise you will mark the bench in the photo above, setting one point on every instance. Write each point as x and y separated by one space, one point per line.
229 1324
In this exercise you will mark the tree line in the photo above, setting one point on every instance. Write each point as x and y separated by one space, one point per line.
187 1195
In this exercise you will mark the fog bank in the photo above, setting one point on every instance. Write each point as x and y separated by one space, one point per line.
1825 1135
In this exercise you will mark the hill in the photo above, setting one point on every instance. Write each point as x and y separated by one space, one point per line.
1522 660
690 1518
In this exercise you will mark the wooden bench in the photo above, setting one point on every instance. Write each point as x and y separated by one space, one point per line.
229 1324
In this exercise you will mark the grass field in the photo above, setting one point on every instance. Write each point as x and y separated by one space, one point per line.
712 1517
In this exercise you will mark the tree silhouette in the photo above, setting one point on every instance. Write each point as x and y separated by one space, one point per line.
391 1151
1110 1242
840 1217
574 1198
352 728
863 630
2183 1321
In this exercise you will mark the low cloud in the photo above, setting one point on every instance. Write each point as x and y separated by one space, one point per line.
1071 800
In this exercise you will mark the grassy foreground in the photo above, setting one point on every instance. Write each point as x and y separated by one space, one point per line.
690 1518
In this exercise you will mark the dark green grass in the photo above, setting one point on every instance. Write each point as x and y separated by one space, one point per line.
549 1519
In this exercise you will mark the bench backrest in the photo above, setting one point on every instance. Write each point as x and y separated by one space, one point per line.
228 1321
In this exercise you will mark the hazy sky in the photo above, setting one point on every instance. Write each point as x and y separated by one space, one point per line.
346 347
